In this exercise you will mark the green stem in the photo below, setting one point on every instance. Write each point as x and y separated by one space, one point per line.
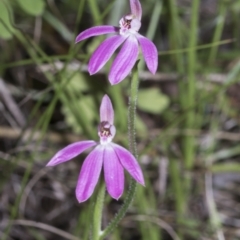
176 37
95 11
177 187
189 144
132 147
97 214
132 113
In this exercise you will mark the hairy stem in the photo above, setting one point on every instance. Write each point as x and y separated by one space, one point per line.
132 146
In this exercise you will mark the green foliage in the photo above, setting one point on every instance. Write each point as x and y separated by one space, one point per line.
151 100
84 103
58 25
34 8
6 17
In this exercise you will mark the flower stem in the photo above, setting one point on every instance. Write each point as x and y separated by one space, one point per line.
132 147
97 214
132 113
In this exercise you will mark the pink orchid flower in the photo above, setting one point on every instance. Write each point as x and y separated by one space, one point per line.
111 156
128 34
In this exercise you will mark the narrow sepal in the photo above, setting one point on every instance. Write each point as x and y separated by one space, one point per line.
96 31
113 173
106 110
70 152
124 61
104 52
136 9
89 174
150 53
129 162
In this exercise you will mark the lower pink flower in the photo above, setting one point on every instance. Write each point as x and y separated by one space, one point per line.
112 157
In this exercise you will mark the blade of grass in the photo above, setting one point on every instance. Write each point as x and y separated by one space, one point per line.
189 142
218 31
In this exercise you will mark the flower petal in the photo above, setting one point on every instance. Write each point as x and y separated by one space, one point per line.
124 61
103 53
129 163
113 173
150 53
106 110
89 174
70 152
95 31
136 8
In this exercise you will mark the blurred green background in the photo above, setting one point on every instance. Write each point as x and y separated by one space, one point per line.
188 125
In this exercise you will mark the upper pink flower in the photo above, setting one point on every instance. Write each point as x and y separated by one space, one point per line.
111 156
128 34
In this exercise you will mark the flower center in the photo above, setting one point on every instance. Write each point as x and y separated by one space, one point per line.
106 132
105 129
129 24
125 22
